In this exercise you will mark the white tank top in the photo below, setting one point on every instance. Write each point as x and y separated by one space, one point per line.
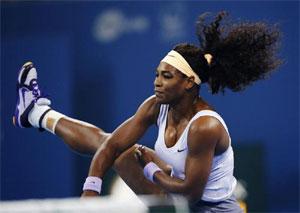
221 182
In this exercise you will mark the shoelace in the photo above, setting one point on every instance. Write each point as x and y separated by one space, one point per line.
38 94
35 88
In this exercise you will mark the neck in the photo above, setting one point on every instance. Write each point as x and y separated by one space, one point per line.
183 108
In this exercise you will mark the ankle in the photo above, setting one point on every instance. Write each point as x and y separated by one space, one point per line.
36 113
42 116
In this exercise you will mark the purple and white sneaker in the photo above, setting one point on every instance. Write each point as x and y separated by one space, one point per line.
28 94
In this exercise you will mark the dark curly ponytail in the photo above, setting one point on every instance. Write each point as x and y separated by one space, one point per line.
242 52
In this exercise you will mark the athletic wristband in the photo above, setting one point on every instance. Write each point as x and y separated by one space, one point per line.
92 183
150 169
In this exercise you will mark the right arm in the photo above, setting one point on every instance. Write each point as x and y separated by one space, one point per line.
124 137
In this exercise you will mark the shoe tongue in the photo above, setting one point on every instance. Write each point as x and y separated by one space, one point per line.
31 75
43 101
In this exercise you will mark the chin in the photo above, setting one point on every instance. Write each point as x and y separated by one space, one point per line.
161 100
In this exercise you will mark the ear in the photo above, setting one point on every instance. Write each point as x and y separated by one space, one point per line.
190 82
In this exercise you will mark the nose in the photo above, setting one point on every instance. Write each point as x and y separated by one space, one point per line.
157 81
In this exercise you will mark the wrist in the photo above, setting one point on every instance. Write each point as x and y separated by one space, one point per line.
92 183
150 169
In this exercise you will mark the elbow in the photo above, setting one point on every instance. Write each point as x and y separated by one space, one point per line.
108 149
193 198
193 194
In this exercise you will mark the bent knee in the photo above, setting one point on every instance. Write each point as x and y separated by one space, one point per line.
126 159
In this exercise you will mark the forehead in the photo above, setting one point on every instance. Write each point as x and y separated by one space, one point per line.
163 66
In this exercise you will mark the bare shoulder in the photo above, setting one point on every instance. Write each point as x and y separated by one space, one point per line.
149 109
205 124
204 132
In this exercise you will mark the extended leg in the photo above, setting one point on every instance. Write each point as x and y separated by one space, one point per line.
80 136
33 110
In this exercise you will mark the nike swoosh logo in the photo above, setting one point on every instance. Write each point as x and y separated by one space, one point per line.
180 150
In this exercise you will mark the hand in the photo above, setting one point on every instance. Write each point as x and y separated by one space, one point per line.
89 193
143 156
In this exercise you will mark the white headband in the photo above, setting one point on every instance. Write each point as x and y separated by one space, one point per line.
176 60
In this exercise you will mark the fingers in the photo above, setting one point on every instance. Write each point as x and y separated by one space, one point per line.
139 151
142 148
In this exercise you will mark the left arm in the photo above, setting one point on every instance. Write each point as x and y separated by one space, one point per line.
202 139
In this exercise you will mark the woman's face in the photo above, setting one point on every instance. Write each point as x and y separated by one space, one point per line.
169 84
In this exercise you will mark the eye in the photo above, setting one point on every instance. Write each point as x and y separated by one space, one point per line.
167 75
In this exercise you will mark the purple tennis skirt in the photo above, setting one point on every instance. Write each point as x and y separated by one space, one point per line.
229 205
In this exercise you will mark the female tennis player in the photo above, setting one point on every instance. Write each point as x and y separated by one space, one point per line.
193 156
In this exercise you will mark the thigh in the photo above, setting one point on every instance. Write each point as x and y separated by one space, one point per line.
131 172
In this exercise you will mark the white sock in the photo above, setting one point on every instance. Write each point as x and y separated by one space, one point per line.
50 117
48 122
36 113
